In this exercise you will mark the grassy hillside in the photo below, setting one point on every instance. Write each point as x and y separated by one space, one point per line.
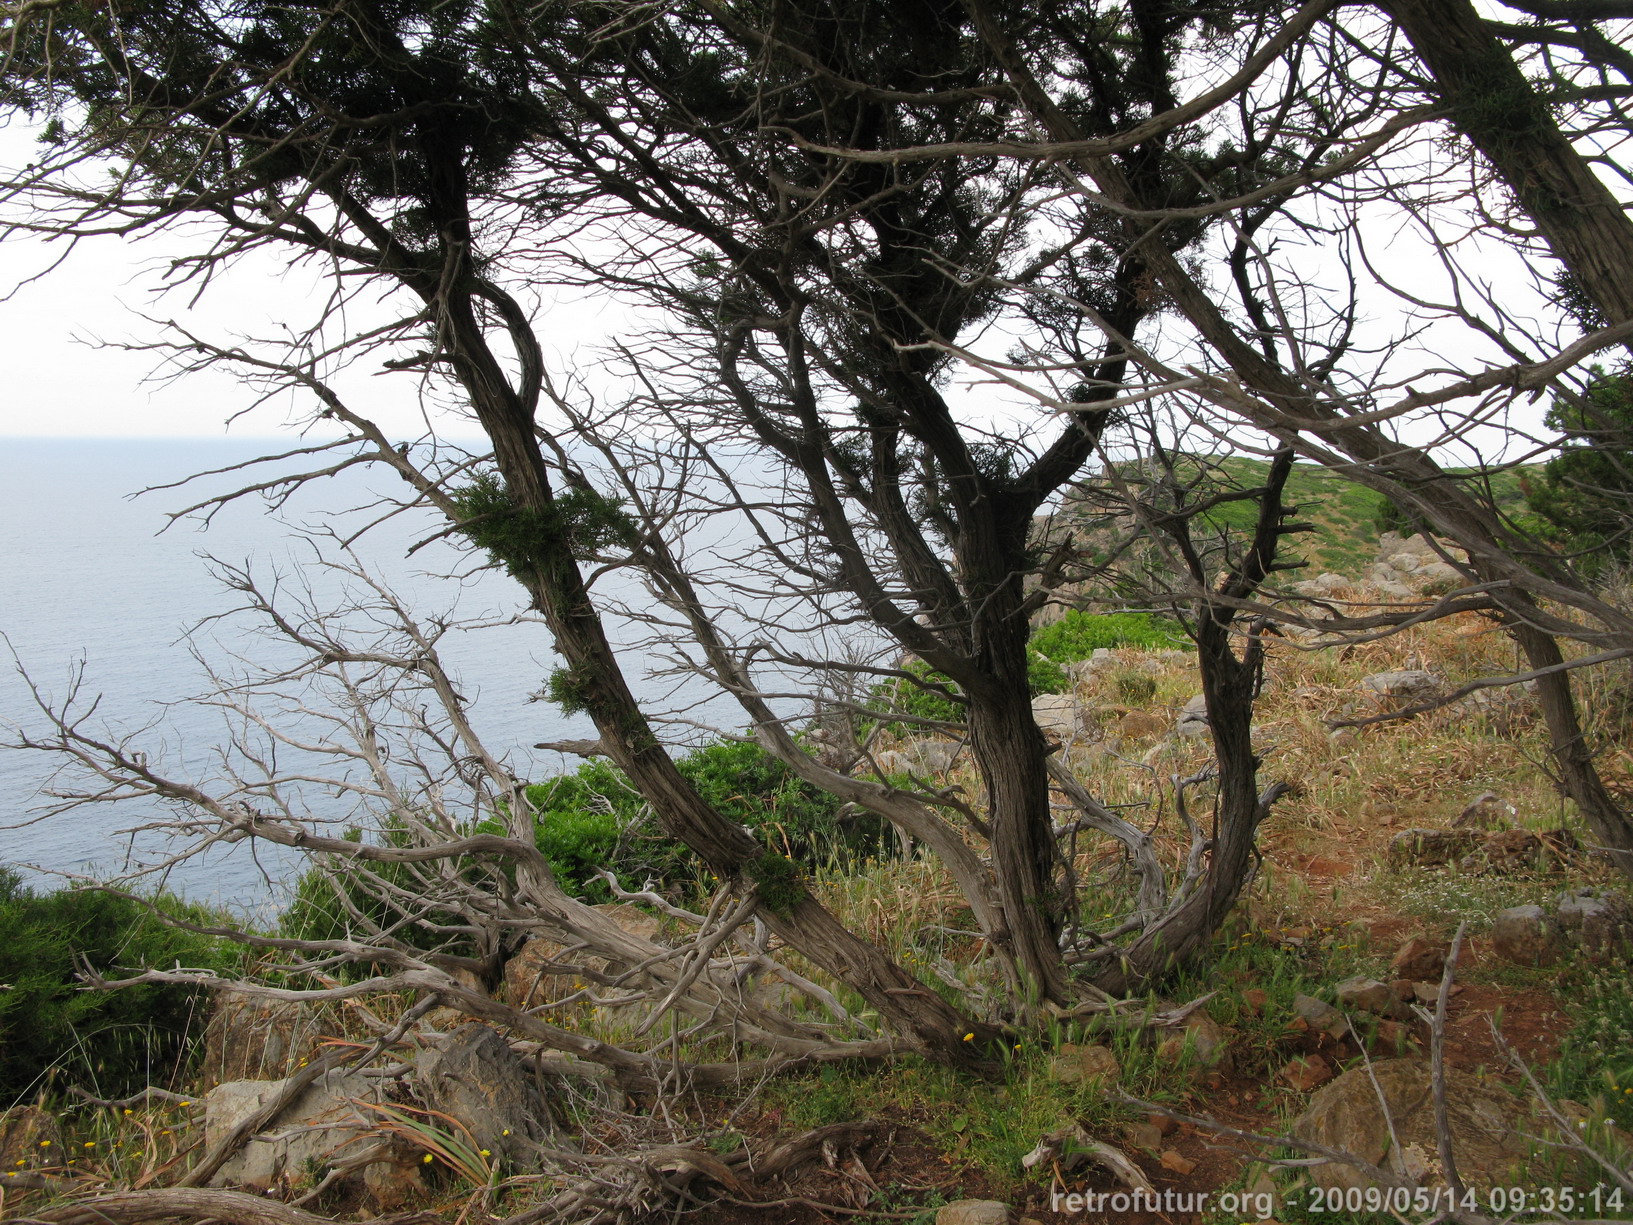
1344 515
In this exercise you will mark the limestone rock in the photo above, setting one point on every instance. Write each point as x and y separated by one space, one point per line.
1059 715
1140 725
1325 586
1407 685
1320 1015
1507 850
1306 1072
1486 811
933 756
1346 1115
1143 1135
1599 924
1206 1042
1177 1162
474 1077
1193 718
301 1142
1369 995
1527 936
255 1039
444 1016
974 1212
1420 960
394 1181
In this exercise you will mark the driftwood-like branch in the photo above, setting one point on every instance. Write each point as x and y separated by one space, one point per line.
193 1203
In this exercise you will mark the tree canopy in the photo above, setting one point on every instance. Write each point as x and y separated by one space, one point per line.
1151 225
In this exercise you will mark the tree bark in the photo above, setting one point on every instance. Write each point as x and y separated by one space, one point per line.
1494 106
1571 751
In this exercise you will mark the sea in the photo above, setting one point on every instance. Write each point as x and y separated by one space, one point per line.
115 613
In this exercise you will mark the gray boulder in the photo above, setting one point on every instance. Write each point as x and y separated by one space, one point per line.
974 1212
1407 685
476 1078
1193 718
1600 924
303 1141
1059 715
1527 936
1347 1115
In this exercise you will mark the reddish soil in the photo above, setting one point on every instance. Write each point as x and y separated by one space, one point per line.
904 1170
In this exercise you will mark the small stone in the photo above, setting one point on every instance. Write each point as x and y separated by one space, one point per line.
974 1212
1143 1135
1486 811
1318 1014
1255 1000
1164 1125
1368 995
1409 685
1527 936
1393 1036
1176 1162
1306 1072
1059 715
1420 960
1193 718
1507 850
1203 1040
1074 1065
1402 987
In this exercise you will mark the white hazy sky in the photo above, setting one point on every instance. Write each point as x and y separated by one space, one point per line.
65 375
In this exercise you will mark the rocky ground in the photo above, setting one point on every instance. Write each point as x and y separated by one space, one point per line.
1319 1004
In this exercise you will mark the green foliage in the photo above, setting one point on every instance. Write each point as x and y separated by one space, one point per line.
1136 688
522 538
778 880
1391 516
1079 634
1595 1061
333 902
567 689
593 819
1045 675
1585 495
937 699
52 1030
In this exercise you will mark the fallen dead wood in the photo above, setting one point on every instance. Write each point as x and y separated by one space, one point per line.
627 1185
192 1203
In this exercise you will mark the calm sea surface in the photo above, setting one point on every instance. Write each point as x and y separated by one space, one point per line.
86 579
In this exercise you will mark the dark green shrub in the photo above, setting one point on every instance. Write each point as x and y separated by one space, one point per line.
1079 634
54 1032
753 788
593 819
1595 1061
1584 500
942 703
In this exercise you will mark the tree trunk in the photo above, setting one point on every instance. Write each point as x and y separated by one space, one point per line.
1571 752
1495 107
1593 238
